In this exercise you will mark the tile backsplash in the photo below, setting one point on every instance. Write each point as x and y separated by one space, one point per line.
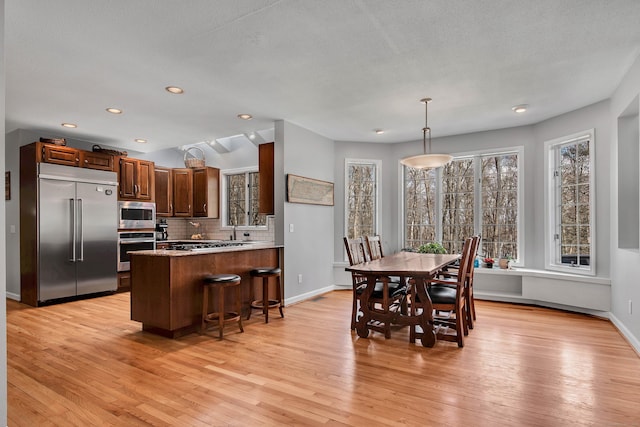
184 228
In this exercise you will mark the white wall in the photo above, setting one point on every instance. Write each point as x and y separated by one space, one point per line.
625 263
3 307
308 250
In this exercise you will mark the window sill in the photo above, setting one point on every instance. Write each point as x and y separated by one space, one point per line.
530 272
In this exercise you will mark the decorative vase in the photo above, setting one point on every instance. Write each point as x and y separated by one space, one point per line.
503 263
488 264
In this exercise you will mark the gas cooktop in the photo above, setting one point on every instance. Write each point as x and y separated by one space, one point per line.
203 246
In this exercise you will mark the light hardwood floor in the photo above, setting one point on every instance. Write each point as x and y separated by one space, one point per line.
85 363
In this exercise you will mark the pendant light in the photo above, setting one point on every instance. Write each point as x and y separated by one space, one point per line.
426 160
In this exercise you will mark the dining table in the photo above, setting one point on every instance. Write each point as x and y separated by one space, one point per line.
418 266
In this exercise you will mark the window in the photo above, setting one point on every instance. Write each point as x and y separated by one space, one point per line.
473 194
361 197
241 198
570 203
499 229
457 203
420 206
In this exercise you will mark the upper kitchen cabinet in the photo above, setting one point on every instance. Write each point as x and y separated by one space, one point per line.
182 192
164 191
206 192
136 179
94 160
59 154
265 174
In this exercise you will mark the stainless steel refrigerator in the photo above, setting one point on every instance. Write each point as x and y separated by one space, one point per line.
77 231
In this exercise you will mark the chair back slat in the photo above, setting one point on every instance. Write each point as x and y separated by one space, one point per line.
374 246
355 251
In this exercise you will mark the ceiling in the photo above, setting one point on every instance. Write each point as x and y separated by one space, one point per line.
338 68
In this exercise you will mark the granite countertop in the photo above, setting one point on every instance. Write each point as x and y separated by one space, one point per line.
245 246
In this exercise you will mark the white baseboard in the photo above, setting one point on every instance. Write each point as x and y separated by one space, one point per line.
13 296
625 332
308 295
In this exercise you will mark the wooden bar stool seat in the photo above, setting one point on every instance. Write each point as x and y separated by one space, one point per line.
265 304
218 283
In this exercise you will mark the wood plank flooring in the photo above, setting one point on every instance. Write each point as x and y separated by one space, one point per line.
85 363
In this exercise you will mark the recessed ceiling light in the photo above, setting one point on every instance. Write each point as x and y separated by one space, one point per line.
379 131
520 108
140 140
245 116
174 89
114 110
69 125
252 136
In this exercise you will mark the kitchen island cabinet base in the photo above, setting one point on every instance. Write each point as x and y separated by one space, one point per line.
167 288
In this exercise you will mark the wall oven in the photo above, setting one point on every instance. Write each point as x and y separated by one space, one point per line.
133 241
136 215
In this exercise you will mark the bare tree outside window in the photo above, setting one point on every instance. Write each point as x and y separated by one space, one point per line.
457 204
574 178
500 206
419 207
242 200
361 198
461 206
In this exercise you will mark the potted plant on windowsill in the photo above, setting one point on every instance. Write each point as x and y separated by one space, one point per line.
505 262
432 248
488 262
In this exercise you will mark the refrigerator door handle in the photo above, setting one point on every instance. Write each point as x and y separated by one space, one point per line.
80 228
72 218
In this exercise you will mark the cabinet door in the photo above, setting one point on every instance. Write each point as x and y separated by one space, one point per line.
124 281
265 175
60 155
145 180
206 192
163 192
127 178
92 160
182 192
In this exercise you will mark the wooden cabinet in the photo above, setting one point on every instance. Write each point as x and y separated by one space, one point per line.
265 174
206 192
59 154
182 192
93 160
164 191
124 281
136 179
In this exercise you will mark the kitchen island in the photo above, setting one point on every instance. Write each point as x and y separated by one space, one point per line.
166 285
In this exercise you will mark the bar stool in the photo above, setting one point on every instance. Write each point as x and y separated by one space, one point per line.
219 282
265 304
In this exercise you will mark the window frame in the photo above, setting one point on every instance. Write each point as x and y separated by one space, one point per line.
552 246
378 168
477 221
224 202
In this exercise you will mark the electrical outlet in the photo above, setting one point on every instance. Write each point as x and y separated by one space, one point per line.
13 229
299 278
290 228
630 307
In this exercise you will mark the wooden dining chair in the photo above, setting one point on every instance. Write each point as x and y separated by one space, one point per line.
374 251
395 295
449 300
451 274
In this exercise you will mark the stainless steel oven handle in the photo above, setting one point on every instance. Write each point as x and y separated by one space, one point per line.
132 241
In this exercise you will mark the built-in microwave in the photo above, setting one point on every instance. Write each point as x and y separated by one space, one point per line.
136 215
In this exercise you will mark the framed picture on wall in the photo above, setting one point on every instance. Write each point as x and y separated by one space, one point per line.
308 190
